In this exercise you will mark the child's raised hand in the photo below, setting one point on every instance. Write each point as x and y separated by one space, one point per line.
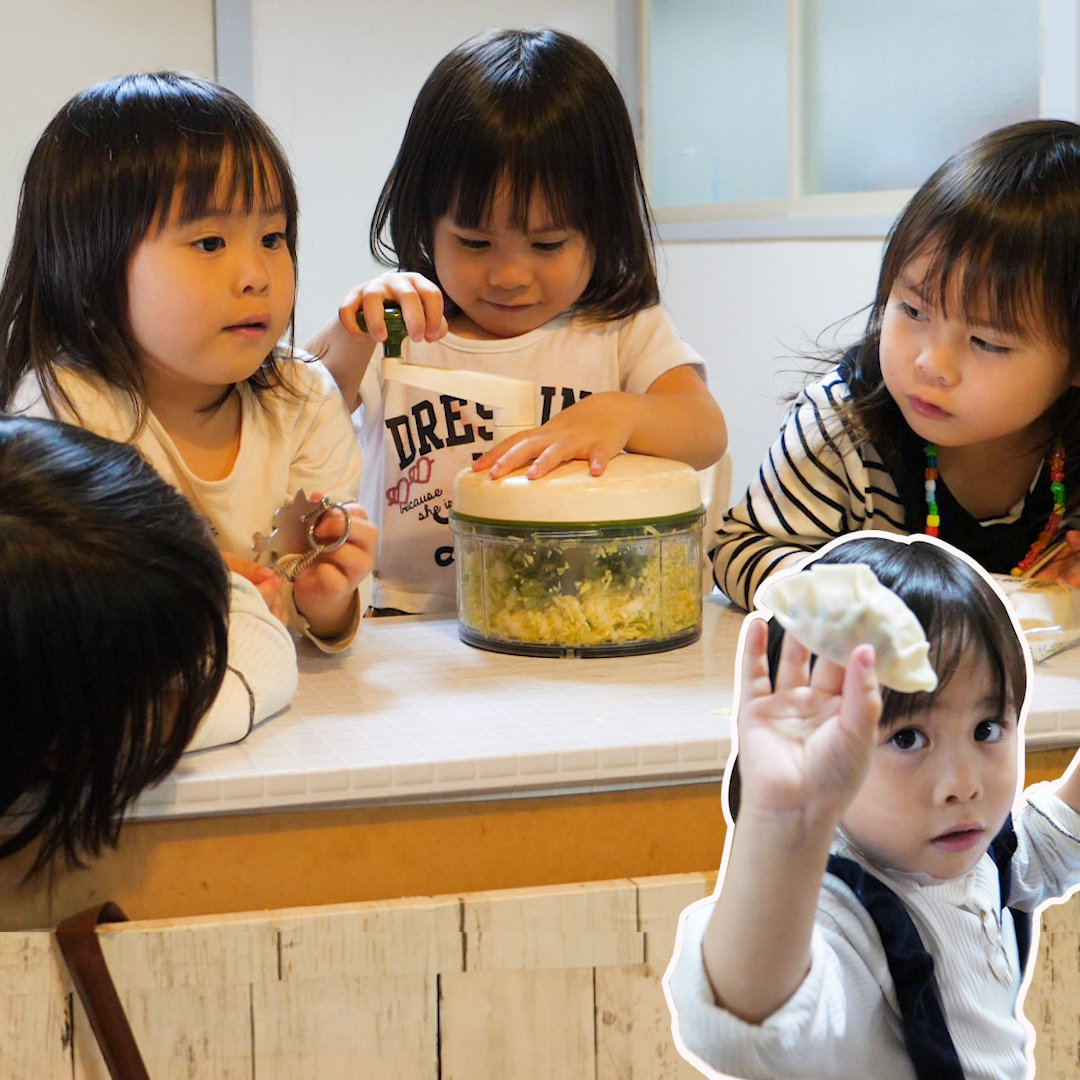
420 300
804 748
325 591
346 350
594 429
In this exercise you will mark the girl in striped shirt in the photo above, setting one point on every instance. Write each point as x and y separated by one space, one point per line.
958 412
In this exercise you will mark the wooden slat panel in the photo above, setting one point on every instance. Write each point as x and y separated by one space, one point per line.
1052 1002
524 1025
633 1027
30 963
562 926
660 901
182 1032
418 936
212 954
338 1028
35 1033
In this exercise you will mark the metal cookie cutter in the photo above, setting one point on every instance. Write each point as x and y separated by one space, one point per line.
292 544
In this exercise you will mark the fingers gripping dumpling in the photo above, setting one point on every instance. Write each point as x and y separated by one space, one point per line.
833 608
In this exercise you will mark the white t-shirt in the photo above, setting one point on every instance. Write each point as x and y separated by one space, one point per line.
287 441
415 442
300 438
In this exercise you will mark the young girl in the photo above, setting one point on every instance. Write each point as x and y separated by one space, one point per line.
115 614
151 277
958 411
516 200
902 960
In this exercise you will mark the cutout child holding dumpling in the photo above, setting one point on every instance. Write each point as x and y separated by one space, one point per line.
873 909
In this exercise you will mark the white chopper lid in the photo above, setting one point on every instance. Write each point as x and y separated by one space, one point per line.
634 487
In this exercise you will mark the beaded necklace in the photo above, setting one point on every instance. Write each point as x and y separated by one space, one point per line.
1053 522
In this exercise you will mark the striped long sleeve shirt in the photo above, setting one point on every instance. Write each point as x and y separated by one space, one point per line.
816 483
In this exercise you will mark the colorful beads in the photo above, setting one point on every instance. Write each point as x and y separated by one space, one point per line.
933 520
1053 522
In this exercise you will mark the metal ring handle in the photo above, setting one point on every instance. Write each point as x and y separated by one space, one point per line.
341 541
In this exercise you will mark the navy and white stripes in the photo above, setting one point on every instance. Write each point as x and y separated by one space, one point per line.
816 483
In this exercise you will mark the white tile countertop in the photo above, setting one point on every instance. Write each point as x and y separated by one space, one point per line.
413 714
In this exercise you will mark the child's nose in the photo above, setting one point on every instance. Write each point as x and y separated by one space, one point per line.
960 779
253 272
937 364
508 272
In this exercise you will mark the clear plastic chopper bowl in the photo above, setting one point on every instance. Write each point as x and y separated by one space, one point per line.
577 565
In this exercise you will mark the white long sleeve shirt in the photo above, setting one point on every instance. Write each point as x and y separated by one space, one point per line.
843 1022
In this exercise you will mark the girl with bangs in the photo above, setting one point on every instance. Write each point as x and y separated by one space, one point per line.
150 283
958 413
516 216
880 877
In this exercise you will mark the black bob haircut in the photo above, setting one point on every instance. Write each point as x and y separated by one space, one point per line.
113 621
959 612
102 177
539 110
1002 219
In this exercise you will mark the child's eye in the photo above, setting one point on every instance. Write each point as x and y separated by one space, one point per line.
909 310
273 240
908 739
210 243
988 346
989 731
472 244
547 246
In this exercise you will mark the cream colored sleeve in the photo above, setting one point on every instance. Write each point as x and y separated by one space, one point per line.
262 673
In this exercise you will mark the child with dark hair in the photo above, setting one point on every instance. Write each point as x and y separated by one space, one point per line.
958 413
122 642
151 279
874 902
516 206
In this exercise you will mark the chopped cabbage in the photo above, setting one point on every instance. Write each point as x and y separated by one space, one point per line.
578 593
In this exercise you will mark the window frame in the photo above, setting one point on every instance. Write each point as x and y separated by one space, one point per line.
800 216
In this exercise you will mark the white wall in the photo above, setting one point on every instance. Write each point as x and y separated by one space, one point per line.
755 310
49 49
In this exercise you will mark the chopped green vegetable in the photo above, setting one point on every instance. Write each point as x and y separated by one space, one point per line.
580 593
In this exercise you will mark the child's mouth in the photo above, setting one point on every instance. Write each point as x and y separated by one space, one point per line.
928 411
963 839
251 329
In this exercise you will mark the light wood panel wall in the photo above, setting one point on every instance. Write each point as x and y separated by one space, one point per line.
559 982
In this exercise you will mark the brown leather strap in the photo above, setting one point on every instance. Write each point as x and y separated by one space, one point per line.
81 949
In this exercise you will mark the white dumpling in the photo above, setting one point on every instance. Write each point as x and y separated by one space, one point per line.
833 607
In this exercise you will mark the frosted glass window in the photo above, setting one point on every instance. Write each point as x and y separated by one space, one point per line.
717 119
891 90
754 100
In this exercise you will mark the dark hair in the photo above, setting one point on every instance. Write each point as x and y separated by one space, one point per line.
113 620
103 175
1004 213
957 608
540 109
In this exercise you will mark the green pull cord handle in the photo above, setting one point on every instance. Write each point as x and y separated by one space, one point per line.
395 329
